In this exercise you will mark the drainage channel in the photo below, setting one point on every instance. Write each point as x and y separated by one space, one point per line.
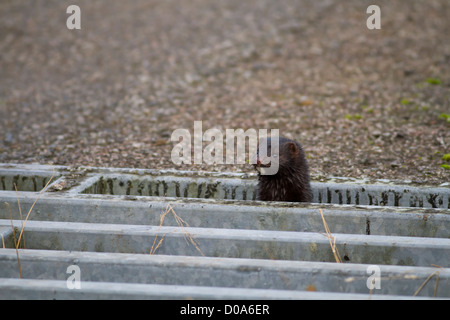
215 241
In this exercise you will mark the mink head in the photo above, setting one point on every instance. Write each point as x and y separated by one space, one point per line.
279 154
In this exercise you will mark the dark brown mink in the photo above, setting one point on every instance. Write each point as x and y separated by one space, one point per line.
291 181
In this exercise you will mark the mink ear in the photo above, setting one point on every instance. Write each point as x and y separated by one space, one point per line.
292 147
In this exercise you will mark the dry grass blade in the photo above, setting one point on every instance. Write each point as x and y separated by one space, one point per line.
31 209
181 223
153 249
161 220
20 210
331 239
437 273
436 285
15 240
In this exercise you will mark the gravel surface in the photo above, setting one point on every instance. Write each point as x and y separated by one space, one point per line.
363 103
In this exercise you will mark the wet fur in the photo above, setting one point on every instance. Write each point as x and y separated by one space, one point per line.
291 182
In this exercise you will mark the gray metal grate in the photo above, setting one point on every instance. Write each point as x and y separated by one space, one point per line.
106 221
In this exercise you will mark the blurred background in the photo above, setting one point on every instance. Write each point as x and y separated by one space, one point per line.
363 103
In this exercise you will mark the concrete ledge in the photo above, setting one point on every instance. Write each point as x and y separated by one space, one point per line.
236 243
54 289
221 272
231 214
234 186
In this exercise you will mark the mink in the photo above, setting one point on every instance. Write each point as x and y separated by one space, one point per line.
291 182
